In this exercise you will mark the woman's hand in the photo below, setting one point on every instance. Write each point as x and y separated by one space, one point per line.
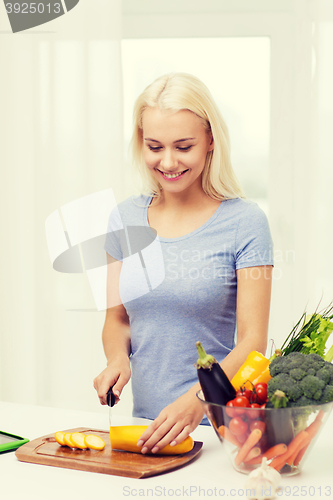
175 422
116 374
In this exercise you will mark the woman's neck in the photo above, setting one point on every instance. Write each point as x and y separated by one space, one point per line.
185 200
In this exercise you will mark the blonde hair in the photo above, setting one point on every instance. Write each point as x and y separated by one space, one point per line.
181 91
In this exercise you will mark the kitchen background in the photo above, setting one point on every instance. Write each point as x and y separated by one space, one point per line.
67 90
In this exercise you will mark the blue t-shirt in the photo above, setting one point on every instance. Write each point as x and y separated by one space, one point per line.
177 291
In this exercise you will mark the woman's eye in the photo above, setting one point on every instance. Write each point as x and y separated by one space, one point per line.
158 148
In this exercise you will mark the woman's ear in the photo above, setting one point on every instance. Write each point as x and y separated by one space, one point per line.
211 144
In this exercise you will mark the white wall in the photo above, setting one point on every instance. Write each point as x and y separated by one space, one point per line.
60 140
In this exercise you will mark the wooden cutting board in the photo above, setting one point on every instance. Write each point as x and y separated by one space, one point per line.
46 451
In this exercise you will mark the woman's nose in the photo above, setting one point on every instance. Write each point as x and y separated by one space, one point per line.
168 160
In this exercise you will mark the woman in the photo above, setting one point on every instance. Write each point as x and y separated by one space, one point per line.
217 255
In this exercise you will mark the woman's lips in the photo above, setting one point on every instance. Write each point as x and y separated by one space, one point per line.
174 177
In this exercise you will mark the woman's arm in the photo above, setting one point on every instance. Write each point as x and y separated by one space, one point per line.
180 418
252 315
116 338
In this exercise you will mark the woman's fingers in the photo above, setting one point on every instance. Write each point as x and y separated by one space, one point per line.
110 378
163 434
119 385
153 429
173 424
102 385
181 436
173 436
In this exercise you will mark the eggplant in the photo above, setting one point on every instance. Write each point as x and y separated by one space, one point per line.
216 387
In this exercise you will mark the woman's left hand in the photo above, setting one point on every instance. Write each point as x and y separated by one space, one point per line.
175 422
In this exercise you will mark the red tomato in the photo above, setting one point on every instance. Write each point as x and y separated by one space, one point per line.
241 402
258 424
253 415
243 391
263 412
229 410
237 426
243 437
261 390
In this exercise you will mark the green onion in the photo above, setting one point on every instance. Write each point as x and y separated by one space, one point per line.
310 334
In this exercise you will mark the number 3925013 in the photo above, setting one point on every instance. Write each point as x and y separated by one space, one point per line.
33 8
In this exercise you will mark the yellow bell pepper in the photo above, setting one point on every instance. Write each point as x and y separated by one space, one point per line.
255 369
265 376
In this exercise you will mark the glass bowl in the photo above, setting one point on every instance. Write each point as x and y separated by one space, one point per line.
278 427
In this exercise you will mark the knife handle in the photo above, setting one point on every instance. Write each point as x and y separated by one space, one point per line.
110 397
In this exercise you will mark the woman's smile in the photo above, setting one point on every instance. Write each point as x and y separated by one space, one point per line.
172 176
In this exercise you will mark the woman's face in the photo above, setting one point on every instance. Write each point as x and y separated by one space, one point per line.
175 148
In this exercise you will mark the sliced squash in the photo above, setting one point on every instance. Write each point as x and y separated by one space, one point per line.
68 440
94 442
59 437
78 440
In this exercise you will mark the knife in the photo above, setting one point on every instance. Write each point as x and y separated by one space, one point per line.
110 399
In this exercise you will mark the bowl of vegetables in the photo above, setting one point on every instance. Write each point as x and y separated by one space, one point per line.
250 431
272 409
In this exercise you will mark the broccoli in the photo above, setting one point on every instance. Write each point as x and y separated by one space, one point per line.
305 379
279 399
283 382
297 373
327 394
324 374
315 359
303 401
312 386
311 371
283 364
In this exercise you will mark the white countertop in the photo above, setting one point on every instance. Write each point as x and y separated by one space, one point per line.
210 475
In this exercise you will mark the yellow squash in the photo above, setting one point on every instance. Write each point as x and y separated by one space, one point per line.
78 439
59 437
68 440
255 369
125 437
94 442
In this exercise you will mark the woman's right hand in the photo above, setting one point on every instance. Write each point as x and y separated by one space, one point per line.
116 374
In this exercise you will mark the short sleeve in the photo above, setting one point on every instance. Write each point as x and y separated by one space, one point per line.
114 235
254 245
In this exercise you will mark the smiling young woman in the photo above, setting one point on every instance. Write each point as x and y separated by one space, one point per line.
208 235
